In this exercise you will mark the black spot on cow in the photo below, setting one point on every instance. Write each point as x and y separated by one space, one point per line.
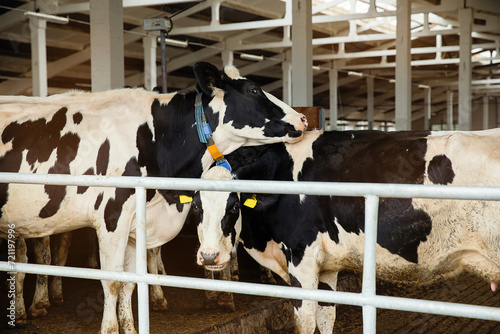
39 137
83 189
297 303
147 155
375 157
77 117
173 140
98 201
66 153
440 170
325 286
102 161
114 206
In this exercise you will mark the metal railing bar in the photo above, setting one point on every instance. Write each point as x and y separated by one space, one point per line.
371 191
270 187
141 259
356 299
369 263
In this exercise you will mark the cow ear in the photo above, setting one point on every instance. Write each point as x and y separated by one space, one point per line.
259 202
208 77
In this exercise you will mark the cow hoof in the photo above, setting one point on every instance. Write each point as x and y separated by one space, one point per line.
38 312
21 321
226 302
159 305
227 306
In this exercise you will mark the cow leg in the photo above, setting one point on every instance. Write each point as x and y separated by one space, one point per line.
60 256
155 266
21 257
326 311
235 270
92 260
112 247
266 276
41 297
218 299
225 300
304 275
125 315
161 266
210 301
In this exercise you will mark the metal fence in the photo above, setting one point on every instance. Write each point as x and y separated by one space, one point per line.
367 299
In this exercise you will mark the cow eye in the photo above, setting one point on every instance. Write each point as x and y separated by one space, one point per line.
253 91
195 206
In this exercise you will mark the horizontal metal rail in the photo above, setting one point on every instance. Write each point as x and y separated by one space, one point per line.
371 191
269 187
357 299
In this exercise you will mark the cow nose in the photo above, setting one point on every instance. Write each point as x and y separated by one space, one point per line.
209 259
304 121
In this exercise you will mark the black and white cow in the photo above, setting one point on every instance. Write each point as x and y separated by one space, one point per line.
126 132
308 239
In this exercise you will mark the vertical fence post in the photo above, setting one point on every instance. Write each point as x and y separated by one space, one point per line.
141 259
369 266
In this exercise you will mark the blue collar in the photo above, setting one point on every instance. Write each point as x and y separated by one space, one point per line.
205 134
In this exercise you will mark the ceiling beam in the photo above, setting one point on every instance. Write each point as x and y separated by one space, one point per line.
14 17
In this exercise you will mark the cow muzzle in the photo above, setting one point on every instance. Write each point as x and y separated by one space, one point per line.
210 260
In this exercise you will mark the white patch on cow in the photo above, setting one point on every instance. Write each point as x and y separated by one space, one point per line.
232 72
300 152
210 234
159 230
272 258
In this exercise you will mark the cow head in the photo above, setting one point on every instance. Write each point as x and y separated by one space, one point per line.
246 114
219 219
218 215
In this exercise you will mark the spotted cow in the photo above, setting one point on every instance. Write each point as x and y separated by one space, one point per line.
308 239
126 132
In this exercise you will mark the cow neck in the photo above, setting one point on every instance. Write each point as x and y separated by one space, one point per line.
205 134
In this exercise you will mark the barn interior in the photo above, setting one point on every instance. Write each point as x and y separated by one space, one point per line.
365 64
339 55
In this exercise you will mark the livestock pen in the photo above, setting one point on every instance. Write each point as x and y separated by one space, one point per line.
367 299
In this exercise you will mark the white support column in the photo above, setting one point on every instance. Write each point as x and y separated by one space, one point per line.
465 17
106 40
302 75
370 101
286 67
227 57
427 108
353 27
486 112
38 56
149 44
403 66
334 83
449 110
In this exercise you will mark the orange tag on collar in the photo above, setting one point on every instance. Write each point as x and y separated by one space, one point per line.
214 151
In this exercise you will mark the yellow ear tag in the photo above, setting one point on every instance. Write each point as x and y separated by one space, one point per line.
185 199
251 202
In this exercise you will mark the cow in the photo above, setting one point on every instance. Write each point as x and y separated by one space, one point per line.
127 132
307 240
